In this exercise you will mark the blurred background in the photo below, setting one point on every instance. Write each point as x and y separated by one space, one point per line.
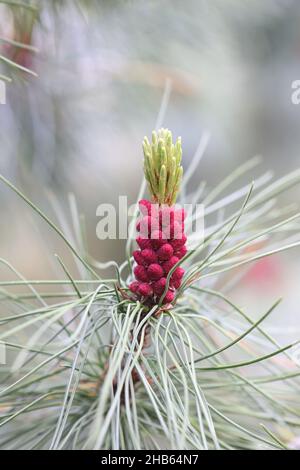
102 67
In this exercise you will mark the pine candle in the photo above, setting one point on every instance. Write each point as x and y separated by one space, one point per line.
161 239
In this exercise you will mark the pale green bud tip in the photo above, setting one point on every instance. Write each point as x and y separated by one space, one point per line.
162 166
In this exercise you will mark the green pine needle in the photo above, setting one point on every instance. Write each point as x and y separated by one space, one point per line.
103 374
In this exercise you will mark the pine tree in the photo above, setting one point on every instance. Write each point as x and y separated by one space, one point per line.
103 366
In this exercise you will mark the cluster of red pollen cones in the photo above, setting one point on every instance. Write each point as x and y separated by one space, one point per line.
162 243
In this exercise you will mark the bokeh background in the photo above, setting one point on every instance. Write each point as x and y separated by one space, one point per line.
102 70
